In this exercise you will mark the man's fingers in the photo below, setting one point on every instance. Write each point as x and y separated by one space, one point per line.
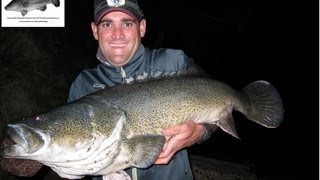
171 131
164 159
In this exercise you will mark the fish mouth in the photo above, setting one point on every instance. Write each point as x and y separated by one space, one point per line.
8 6
25 137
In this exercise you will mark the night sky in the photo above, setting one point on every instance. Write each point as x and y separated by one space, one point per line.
234 41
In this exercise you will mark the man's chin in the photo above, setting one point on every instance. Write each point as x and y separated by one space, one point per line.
118 62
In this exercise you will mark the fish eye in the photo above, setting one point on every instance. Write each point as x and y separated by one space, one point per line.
37 118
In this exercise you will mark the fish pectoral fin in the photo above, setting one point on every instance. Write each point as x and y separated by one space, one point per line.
117 175
43 8
145 149
227 124
24 12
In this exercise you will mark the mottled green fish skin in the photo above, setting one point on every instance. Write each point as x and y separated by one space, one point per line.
132 117
152 105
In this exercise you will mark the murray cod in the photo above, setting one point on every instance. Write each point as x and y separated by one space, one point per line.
24 6
121 127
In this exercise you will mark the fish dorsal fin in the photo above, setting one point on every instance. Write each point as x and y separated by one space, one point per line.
192 69
146 76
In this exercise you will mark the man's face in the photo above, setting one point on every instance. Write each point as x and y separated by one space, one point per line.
119 36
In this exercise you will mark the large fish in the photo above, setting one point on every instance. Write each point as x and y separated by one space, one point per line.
120 127
24 6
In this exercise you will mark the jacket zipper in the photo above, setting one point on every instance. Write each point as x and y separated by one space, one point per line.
123 75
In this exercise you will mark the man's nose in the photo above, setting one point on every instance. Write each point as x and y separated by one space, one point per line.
118 33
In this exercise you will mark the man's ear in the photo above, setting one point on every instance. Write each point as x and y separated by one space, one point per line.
143 26
94 29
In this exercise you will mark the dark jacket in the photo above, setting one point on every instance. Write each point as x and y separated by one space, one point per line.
144 61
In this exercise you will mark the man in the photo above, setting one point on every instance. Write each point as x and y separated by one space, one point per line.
118 27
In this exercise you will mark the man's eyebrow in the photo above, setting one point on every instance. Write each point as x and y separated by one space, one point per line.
122 20
105 20
129 20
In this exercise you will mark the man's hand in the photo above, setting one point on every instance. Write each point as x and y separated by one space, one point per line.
179 137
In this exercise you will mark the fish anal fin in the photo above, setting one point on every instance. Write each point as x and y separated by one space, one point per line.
145 149
227 125
117 175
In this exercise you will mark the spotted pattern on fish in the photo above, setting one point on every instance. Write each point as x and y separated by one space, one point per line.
120 127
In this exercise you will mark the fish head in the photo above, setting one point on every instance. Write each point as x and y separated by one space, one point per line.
68 130
16 5
28 140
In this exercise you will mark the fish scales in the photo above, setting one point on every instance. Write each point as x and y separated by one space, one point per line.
116 128
166 102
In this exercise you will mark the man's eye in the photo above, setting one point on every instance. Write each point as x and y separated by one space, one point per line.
105 24
128 24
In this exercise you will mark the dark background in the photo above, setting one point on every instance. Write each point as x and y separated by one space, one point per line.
234 41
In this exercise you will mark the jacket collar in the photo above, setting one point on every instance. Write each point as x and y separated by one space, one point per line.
130 68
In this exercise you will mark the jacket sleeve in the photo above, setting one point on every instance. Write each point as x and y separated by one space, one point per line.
169 60
180 61
75 89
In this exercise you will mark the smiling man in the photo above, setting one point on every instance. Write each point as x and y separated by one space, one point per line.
118 27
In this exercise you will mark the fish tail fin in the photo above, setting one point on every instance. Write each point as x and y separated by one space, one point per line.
265 104
56 3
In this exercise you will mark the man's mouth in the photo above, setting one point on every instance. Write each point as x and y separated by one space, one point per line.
117 45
